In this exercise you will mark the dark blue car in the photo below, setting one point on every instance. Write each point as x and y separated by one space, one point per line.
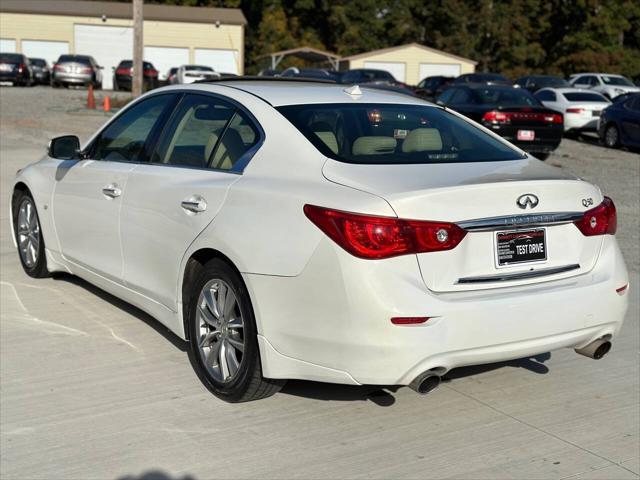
620 123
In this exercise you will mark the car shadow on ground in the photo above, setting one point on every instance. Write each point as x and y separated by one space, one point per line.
383 396
127 307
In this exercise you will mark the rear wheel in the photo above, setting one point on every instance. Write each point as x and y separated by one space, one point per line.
223 346
26 225
612 136
542 155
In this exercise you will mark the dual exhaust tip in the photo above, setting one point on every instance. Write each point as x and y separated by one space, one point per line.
430 380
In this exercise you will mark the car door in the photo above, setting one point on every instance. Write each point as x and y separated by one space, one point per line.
630 121
169 201
88 193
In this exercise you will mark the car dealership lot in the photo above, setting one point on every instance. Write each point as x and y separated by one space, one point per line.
93 388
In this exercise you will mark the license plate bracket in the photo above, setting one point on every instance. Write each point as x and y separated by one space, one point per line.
521 246
526 135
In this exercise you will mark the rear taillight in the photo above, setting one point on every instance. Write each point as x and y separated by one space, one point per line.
494 116
497 117
150 73
575 110
20 68
372 237
85 70
123 71
601 220
57 68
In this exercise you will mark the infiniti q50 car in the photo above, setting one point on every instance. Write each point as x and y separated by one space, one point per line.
301 230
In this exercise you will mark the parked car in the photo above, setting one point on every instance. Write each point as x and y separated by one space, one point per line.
430 87
76 70
123 76
484 78
16 69
619 123
315 73
194 73
581 108
362 76
269 72
41 72
294 223
512 113
608 85
533 83
170 76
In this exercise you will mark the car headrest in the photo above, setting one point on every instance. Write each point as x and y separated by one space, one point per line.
230 149
325 133
421 140
373 145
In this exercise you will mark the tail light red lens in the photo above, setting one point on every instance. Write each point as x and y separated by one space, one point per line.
506 117
409 320
601 220
123 71
373 237
575 110
150 73
496 117
20 68
57 67
85 70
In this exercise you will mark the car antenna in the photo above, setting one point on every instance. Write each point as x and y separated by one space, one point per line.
353 91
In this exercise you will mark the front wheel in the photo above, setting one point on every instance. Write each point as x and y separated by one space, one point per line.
223 345
26 225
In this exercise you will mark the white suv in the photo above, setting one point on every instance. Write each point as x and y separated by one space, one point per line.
608 85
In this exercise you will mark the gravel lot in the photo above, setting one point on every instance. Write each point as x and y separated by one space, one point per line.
93 388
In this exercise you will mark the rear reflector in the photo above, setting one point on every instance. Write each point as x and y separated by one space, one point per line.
601 220
622 290
575 110
409 320
373 237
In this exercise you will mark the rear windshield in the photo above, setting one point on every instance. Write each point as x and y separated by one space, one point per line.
38 62
616 81
129 64
394 134
512 97
10 58
74 58
487 77
551 81
584 97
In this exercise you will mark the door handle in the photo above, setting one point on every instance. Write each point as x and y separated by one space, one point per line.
112 190
194 203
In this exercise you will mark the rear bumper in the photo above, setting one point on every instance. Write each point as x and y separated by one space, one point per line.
78 79
332 322
578 123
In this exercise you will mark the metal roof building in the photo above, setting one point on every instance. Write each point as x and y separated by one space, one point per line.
173 35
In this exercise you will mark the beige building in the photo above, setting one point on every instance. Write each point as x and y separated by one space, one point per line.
411 63
173 35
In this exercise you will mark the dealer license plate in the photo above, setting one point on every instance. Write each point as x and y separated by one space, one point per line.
521 246
526 135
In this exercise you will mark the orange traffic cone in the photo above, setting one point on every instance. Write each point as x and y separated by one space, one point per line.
107 104
91 101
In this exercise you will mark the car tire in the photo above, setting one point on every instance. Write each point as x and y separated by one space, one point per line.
611 136
28 235
223 343
542 155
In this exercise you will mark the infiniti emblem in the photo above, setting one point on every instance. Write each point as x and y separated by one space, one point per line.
528 200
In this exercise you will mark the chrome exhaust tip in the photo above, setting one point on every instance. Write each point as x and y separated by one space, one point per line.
596 349
425 382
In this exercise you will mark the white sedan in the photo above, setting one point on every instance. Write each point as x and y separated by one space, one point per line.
581 108
311 231
193 73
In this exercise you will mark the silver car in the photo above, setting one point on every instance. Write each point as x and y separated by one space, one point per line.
76 70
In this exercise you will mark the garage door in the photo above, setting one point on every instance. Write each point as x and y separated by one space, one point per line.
223 61
397 69
50 51
445 69
7 45
108 45
163 58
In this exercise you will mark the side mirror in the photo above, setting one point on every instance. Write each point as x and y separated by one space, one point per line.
65 148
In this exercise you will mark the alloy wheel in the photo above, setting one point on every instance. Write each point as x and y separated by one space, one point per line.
220 329
611 136
28 233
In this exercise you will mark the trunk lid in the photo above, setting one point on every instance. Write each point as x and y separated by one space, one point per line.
464 193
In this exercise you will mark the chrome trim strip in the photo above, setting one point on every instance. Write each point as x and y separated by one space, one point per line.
505 277
520 221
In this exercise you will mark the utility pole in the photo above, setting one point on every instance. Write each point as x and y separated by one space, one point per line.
136 86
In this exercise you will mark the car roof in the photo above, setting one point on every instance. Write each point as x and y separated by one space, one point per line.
597 73
296 92
571 90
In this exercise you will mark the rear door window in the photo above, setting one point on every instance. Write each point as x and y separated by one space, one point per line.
395 134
